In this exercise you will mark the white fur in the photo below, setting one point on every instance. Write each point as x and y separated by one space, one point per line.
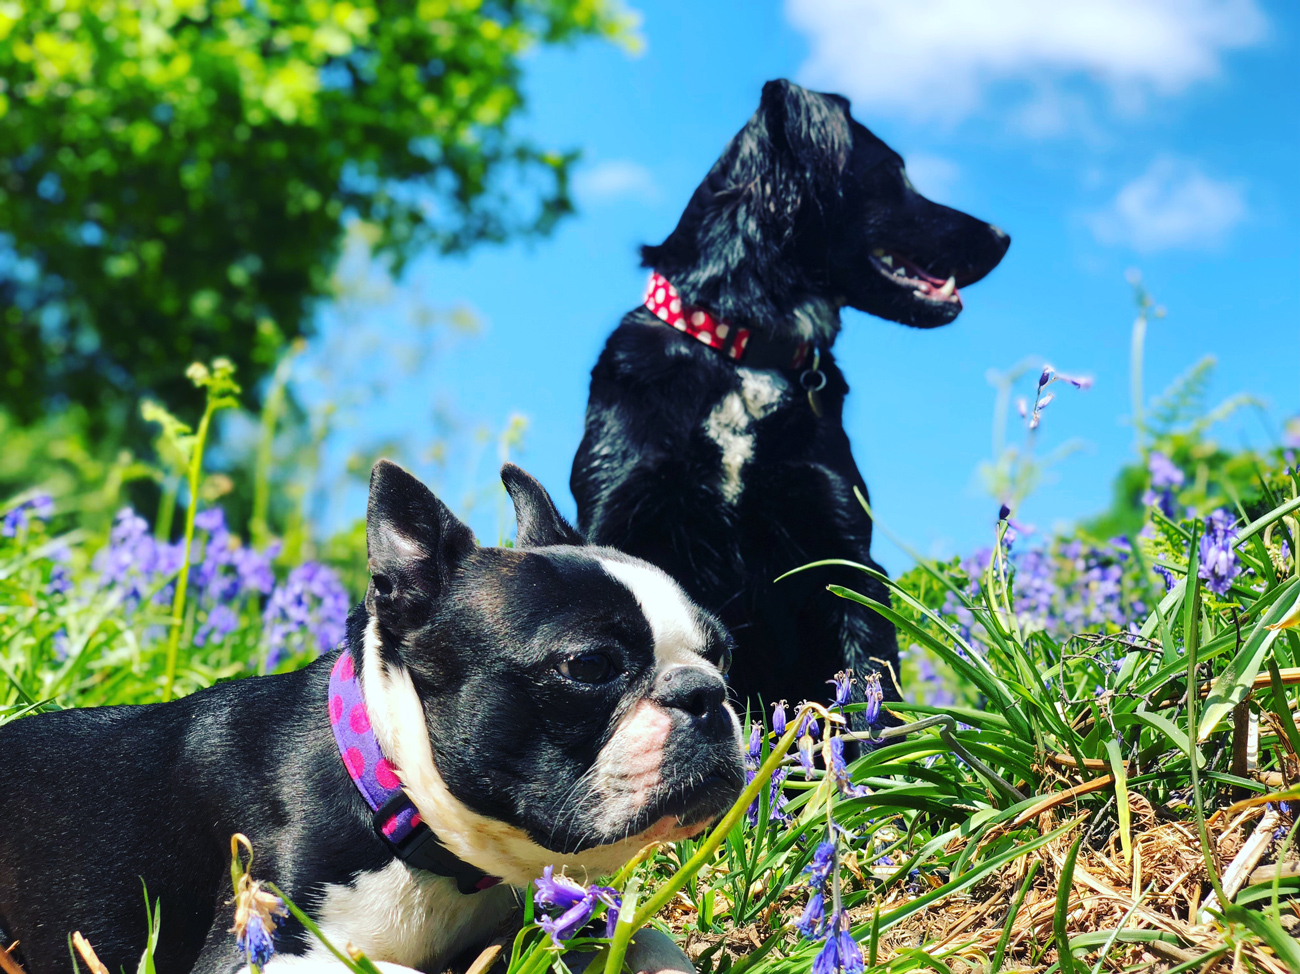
495 847
761 391
674 621
407 917
818 320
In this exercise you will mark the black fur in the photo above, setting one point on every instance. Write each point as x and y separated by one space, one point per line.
96 801
788 226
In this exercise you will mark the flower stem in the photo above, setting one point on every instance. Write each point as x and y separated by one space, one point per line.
183 578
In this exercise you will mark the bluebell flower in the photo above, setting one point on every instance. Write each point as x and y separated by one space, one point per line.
778 718
60 643
819 867
1048 375
16 518
135 562
776 800
841 953
843 684
1167 575
755 744
308 611
875 696
809 726
557 892
576 903
1219 561
1164 472
220 623
810 920
839 771
60 580
1004 512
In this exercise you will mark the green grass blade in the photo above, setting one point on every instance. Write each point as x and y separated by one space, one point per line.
1005 938
1059 918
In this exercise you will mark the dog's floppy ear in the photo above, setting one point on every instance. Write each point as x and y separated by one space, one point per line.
809 133
414 544
539 523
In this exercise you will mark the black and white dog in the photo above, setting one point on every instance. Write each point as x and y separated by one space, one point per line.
714 446
552 704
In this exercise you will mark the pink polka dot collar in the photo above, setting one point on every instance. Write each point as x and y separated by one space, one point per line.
396 817
666 304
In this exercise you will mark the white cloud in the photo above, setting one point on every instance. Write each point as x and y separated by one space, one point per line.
933 176
1173 205
936 60
615 179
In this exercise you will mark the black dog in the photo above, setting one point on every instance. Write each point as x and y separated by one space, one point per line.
714 448
552 704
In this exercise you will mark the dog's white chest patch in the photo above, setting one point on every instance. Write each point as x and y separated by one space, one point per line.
728 425
409 917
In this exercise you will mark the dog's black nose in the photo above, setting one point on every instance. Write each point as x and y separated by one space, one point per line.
689 688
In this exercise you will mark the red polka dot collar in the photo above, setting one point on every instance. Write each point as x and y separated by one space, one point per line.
396 817
737 344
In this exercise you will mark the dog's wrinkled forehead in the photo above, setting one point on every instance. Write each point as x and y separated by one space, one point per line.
575 594
680 628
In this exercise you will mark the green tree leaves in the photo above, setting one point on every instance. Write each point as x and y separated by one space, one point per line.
175 174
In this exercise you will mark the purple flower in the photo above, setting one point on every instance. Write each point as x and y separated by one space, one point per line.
134 561
755 744
810 921
1166 574
820 866
841 954
220 623
60 580
1164 472
840 773
1004 512
778 718
16 518
874 696
557 892
255 942
1219 561
843 684
806 754
60 641
308 611
1048 375
576 903
809 726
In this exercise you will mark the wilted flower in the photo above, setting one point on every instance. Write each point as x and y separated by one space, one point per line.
1219 561
806 754
839 770
257 914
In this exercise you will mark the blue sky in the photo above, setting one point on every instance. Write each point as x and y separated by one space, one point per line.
1103 135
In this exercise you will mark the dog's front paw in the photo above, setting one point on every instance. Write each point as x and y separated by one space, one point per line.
650 952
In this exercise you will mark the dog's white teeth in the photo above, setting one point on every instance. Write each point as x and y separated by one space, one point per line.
887 261
948 287
921 293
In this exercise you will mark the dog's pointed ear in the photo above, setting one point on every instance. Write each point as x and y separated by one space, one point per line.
539 523
414 544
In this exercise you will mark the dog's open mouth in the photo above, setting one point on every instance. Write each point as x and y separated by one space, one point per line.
904 273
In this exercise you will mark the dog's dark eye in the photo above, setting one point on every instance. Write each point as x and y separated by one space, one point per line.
383 585
587 668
